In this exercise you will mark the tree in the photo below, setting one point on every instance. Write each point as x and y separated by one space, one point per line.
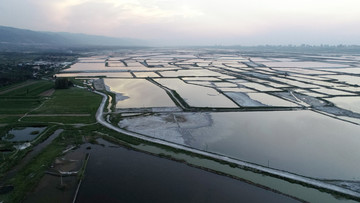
63 83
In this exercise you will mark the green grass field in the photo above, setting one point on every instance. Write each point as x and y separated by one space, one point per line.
71 101
33 89
12 86
24 98
61 119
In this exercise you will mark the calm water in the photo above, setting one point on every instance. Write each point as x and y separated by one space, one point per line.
197 96
303 64
349 103
87 67
349 79
97 74
259 99
145 74
25 134
119 175
138 93
199 72
301 142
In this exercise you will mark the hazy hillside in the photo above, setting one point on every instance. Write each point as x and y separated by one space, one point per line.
13 37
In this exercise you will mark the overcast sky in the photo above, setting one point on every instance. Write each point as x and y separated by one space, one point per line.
194 22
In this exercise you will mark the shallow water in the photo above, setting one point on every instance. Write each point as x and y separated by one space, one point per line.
259 87
301 142
349 79
199 72
348 103
259 99
145 74
97 74
303 64
197 96
83 67
138 93
346 70
25 134
332 92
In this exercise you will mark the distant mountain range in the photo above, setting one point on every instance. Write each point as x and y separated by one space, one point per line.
15 37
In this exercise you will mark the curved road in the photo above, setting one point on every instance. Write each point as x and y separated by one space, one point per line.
287 175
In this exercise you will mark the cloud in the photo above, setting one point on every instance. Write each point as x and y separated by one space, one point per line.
181 20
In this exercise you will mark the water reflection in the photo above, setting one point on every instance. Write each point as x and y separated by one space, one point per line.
197 96
301 142
22 134
138 93
116 174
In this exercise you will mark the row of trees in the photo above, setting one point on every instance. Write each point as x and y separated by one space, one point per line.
63 83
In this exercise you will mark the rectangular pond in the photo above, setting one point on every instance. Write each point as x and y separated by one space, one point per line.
86 67
117 174
97 74
301 142
259 99
349 79
348 103
138 93
303 64
197 72
197 96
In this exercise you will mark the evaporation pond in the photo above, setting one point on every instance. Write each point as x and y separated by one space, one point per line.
301 142
198 73
85 67
138 93
304 64
23 134
259 99
198 96
348 103
116 174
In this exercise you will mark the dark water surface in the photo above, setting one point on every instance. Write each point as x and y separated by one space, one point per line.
116 174
23 134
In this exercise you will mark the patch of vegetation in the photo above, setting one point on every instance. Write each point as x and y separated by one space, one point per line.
23 99
14 157
63 83
79 82
71 101
9 136
33 89
61 119
30 174
35 132
5 119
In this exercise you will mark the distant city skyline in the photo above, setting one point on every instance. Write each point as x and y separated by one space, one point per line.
189 22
